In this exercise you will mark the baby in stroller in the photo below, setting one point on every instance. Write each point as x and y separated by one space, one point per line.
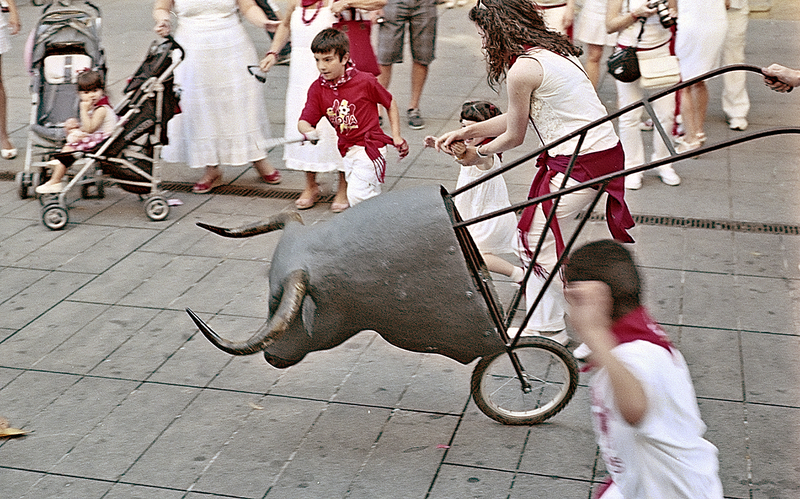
97 121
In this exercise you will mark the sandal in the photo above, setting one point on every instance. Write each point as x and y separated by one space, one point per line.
306 203
204 187
272 178
8 153
339 207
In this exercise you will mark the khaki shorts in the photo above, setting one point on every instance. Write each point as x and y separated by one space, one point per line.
420 16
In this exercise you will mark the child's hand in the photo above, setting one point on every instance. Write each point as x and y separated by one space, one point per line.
402 148
312 136
458 149
590 306
430 141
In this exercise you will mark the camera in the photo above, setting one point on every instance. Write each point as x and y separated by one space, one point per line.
663 12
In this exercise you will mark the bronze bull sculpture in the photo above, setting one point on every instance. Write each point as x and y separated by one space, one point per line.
394 264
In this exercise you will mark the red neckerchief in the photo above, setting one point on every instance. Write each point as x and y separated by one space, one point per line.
349 71
638 325
102 102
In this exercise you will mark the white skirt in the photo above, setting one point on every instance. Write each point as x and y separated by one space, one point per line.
591 25
223 119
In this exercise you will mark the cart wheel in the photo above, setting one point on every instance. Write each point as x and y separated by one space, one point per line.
548 367
156 208
54 216
100 190
23 184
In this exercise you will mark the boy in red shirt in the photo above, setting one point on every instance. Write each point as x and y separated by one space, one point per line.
349 99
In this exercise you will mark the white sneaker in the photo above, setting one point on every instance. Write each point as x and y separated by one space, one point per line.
737 124
668 175
449 4
50 188
633 181
557 336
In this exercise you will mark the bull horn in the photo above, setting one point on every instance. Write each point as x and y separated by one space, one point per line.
294 289
276 222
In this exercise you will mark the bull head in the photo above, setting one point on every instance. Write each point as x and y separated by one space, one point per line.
391 264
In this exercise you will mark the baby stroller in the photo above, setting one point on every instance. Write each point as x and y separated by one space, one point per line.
131 156
65 41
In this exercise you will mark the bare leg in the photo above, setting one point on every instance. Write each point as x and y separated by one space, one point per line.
593 56
310 192
385 78
5 143
341 191
419 74
263 167
211 174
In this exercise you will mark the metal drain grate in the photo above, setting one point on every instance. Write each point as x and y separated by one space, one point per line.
693 223
701 223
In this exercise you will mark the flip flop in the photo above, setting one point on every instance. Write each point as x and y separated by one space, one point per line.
204 187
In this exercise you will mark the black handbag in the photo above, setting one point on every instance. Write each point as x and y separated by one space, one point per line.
623 63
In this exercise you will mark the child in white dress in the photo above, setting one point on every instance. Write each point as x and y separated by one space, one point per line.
496 235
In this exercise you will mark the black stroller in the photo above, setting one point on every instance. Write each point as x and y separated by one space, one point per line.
131 156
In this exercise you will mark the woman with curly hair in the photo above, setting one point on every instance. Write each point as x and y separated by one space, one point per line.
548 88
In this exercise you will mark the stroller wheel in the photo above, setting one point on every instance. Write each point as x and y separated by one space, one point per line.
54 216
156 208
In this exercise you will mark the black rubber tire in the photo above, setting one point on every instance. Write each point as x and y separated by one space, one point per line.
23 185
54 217
550 369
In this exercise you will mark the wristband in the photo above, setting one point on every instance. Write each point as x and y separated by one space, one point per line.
478 152
271 52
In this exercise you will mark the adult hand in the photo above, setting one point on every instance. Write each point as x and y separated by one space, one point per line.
163 27
268 61
444 141
311 136
643 11
780 78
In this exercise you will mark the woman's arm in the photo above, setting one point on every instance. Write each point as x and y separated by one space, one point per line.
282 35
253 13
617 21
13 17
162 16
524 77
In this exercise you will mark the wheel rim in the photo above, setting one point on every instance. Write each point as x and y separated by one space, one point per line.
547 373
157 209
55 217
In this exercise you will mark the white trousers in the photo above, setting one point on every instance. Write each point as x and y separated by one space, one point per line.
735 101
629 133
362 181
549 314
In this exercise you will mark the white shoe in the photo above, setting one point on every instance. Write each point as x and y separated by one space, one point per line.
461 3
582 352
737 124
668 175
449 4
558 336
633 181
49 188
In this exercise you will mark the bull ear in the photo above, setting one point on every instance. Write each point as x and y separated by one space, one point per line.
276 222
294 289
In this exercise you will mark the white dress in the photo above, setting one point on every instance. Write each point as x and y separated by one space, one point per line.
496 235
591 25
5 34
324 156
701 33
223 119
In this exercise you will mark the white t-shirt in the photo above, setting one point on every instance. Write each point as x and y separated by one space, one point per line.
665 456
